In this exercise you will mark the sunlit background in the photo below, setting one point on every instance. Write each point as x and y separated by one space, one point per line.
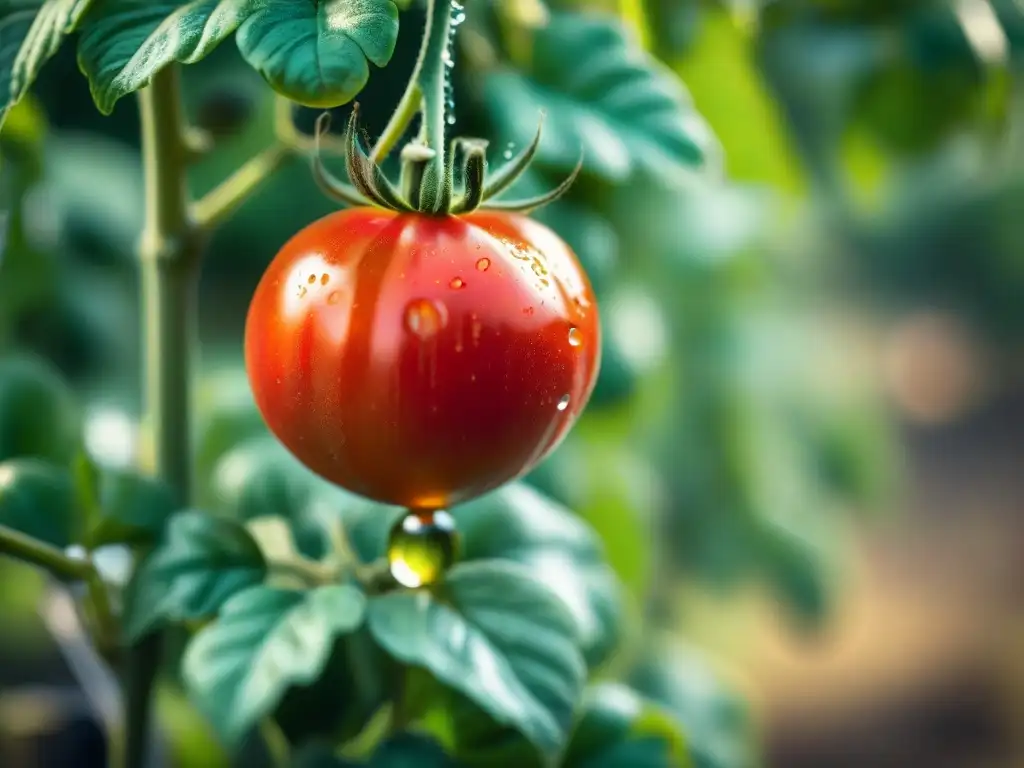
806 450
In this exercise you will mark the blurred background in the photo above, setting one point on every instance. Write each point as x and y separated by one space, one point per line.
806 449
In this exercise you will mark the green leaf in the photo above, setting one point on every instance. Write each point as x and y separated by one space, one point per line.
132 509
516 523
404 750
621 730
39 414
355 682
411 750
200 563
264 641
260 478
38 499
715 719
124 43
798 573
603 97
494 633
316 53
31 31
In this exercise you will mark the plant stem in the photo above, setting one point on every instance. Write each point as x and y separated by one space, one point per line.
406 110
169 251
426 93
31 550
433 75
223 200
278 748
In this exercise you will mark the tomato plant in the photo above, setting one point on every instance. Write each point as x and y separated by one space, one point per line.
480 426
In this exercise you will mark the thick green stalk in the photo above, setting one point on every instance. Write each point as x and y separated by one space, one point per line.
30 550
168 252
432 77
425 94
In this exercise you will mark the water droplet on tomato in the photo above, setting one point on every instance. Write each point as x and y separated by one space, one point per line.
483 264
334 297
457 282
575 337
424 318
564 402
422 546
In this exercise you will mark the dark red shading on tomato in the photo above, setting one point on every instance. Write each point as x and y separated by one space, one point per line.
422 361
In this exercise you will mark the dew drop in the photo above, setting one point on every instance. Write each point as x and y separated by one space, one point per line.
312 279
483 264
424 318
507 154
575 337
456 283
422 546
563 403
450 119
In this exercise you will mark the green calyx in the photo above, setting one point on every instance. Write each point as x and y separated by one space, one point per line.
428 183
420 191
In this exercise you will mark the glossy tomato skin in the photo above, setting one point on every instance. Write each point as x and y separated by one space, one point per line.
422 361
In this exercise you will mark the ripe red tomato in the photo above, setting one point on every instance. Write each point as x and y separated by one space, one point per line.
421 360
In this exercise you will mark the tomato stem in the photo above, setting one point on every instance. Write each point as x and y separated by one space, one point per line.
169 251
433 78
30 550
426 94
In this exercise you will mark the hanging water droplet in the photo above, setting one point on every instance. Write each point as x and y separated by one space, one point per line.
564 402
483 264
450 119
424 318
422 546
456 283
575 337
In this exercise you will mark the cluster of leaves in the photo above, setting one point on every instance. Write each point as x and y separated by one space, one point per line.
929 89
493 664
